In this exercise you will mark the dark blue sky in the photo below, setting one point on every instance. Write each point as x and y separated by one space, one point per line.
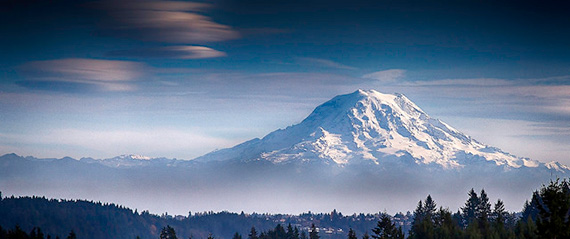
178 79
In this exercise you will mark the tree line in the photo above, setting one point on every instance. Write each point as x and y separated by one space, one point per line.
546 215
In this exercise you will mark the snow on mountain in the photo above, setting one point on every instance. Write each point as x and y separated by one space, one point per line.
368 126
130 160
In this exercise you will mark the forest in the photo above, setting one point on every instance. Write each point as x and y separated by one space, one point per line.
545 215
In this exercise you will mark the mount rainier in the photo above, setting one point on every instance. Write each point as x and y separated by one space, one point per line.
360 152
365 127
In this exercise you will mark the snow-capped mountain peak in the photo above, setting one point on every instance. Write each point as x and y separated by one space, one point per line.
365 126
133 157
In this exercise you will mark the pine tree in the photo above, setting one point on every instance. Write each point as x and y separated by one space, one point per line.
498 218
423 224
168 233
430 206
314 234
352 234
236 236
554 210
483 212
252 234
365 236
530 209
296 233
17 233
385 229
526 229
445 226
72 235
470 209
290 234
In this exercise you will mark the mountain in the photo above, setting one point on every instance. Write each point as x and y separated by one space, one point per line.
360 152
367 126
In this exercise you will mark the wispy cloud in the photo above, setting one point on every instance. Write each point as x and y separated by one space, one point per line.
386 76
79 74
318 62
174 52
165 21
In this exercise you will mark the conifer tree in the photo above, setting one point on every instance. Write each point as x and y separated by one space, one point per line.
470 209
252 234
236 236
352 234
296 233
72 235
483 212
386 229
423 224
554 210
290 234
168 233
314 234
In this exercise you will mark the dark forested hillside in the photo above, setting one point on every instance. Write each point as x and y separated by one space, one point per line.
97 220
544 216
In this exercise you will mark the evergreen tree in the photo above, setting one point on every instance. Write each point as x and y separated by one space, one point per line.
36 233
472 231
352 234
296 233
314 234
303 235
554 210
430 206
498 218
3 233
423 223
278 232
252 234
470 209
168 233
290 234
365 236
17 233
72 235
236 236
530 209
483 212
526 229
385 229
445 226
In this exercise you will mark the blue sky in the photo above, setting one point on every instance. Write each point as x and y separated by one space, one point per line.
179 78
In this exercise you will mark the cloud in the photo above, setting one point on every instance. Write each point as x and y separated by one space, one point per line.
80 74
478 82
323 63
174 52
165 21
386 76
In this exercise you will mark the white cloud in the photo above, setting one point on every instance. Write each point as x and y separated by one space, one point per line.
387 76
318 62
174 52
481 82
108 75
165 21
